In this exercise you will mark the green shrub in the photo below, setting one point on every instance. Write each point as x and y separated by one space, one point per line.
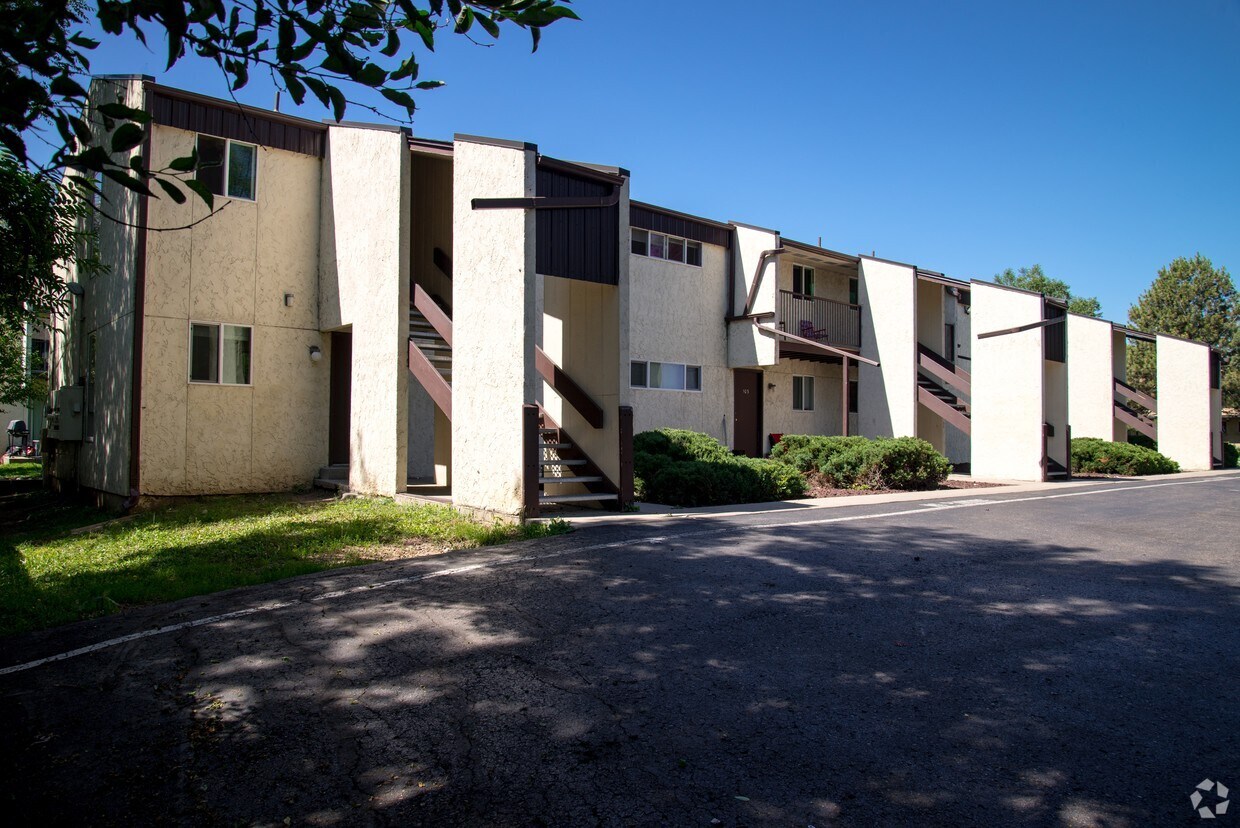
808 453
1093 456
685 468
1231 455
904 463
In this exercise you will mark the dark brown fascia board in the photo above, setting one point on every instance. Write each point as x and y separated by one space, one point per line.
753 227
424 146
1132 333
940 279
843 258
605 175
667 211
367 125
143 78
270 114
495 142
1056 301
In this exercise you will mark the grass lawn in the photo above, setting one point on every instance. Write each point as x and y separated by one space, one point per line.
21 471
193 547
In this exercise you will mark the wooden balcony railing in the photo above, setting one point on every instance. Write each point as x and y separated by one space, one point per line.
823 320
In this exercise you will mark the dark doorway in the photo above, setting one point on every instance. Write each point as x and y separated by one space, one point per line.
339 400
747 405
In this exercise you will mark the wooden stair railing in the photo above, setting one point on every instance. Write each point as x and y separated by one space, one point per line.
568 389
543 437
949 413
1124 391
1134 420
955 378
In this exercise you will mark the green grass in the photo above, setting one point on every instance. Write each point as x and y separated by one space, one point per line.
195 547
21 471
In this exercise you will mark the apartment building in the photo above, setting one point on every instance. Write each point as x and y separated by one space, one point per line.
479 319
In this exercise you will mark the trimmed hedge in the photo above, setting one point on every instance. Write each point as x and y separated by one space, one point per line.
859 463
1231 455
1093 456
685 468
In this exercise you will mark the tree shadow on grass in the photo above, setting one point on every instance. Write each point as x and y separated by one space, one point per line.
903 675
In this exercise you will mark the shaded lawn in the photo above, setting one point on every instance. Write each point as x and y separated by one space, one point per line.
194 547
21 471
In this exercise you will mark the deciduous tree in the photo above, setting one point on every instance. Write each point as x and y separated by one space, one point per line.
1033 278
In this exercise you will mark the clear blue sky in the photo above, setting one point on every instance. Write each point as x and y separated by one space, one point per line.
1100 139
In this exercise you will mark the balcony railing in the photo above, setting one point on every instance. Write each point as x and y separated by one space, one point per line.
822 320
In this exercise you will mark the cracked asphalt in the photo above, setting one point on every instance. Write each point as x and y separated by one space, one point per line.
999 660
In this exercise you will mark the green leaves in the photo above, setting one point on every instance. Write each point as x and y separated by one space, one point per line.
127 136
202 191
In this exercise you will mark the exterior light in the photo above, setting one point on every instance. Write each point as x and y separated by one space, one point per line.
316 353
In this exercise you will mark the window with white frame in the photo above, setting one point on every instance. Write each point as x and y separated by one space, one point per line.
665 376
227 167
802 393
663 246
803 280
219 353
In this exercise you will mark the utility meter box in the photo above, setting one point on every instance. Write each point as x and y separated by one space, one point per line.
66 412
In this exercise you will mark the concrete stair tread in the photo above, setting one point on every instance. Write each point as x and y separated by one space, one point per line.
576 498
560 462
583 479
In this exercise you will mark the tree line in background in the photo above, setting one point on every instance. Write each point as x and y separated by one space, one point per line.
1189 298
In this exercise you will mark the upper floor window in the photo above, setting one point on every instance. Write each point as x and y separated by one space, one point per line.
803 280
219 353
227 167
670 376
854 292
662 246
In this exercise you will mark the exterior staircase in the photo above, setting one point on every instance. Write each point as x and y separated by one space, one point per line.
334 477
562 463
433 346
936 377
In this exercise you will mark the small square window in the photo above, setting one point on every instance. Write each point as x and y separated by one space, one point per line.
227 167
854 292
802 393
675 249
693 378
693 253
658 245
640 241
637 374
220 353
853 387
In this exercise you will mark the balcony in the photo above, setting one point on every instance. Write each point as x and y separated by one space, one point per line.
822 320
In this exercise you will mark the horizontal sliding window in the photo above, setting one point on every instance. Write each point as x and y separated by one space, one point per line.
665 376
663 246
219 353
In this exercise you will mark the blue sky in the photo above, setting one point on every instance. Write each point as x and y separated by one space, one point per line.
1100 139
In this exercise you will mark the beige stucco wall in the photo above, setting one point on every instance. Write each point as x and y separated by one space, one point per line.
778 416
1008 378
1185 404
748 347
888 393
364 285
930 315
678 316
828 284
1091 377
235 267
106 313
494 325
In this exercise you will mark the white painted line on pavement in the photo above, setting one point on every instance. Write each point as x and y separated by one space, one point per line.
922 509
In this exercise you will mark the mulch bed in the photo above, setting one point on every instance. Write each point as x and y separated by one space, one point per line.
818 487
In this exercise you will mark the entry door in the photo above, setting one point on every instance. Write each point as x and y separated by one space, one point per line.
340 399
747 405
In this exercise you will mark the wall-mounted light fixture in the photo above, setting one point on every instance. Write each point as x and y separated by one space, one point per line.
288 300
770 386
316 353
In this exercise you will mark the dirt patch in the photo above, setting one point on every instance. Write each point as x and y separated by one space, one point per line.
411 548
818 486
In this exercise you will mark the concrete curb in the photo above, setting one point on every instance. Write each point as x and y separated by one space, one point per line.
648 512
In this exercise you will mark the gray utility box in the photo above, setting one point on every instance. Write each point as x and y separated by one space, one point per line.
65 413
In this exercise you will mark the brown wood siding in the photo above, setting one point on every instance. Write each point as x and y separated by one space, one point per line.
647 219
233 122
577 243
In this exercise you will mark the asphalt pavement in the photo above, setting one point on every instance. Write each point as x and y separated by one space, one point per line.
1061 657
